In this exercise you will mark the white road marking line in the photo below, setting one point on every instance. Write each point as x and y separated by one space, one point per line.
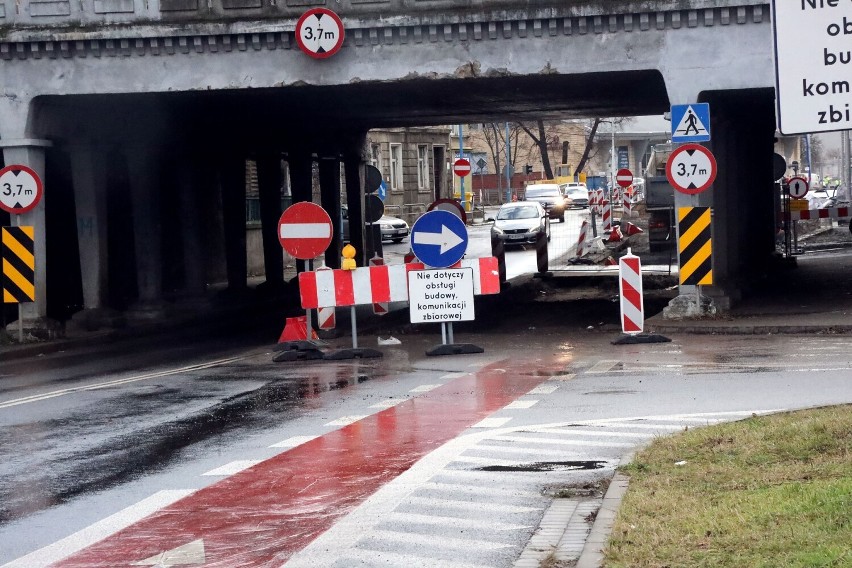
602 367
98 531
561 442
569 431
389 559
189 553
639 426
468 506
450 376
495 422
520 404
436 520
232 468
107 384
544 389
346 420
293 441
471 490
532 452
388 403
484 460
424 388
567 377
436 542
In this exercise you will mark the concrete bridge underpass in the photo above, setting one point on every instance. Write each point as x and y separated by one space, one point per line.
139 118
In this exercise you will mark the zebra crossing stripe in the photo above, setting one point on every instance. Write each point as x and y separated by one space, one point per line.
695 246
18 246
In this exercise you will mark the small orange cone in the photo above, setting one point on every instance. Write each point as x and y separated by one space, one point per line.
295 329
615 235
633 230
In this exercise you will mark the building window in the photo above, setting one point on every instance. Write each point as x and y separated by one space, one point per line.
376 155
396 166
422 166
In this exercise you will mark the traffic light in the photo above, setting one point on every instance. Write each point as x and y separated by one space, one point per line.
528 169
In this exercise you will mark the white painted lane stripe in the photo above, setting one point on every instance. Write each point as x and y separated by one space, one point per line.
468 506
346 420
98 531
491 422
424 388
396 518
305 231
107 384
294 441
569 431
436 542
360 557
471 490
532 452
638 426
544 389
388 403
519 404
450 376
485 460
602 367
232 468
561 442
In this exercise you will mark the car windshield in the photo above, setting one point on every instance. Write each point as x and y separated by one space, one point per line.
542 191
577 193
517 213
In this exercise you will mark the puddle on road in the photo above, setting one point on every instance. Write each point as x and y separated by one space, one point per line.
547 466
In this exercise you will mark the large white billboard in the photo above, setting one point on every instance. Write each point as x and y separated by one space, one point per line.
813 65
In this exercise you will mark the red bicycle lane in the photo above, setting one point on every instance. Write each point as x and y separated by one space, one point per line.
263 515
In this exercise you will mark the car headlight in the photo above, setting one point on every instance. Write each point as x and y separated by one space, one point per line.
496 230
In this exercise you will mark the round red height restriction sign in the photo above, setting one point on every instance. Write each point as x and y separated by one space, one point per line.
20 189
319 33
461 167
691 169
624 177
304 230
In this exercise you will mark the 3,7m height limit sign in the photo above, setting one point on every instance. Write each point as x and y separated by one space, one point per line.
813 71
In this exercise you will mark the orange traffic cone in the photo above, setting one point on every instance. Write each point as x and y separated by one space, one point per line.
633 230
615 235
409 258
295 329
610 261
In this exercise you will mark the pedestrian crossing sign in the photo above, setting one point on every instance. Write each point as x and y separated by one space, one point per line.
691 123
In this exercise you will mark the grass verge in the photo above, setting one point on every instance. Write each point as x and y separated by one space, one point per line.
764 492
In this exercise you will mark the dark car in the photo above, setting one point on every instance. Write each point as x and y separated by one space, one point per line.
550 197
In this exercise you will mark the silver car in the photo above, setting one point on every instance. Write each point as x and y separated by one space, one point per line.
393 228
521 223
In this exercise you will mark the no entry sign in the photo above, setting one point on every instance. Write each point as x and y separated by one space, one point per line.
624 177
691 169
20 189
304 230
461 167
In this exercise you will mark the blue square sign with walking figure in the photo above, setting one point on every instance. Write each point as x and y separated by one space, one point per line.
691 123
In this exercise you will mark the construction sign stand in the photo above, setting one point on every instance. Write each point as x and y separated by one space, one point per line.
355 352
632 303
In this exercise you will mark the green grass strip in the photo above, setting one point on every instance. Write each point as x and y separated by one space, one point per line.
769 492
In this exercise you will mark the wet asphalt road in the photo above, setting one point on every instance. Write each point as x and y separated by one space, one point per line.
89 434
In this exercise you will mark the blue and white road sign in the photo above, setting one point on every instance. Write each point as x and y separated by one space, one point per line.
691 123
439 238
382 191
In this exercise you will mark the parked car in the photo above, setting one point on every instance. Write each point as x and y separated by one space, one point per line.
578 194
550 197
521 222
393 228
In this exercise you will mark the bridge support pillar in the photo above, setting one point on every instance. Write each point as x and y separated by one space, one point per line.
269 192
302 183
329 177
353 161
233 185
195 246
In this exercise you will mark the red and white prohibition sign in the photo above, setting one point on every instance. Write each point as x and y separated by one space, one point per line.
304 230
20 189
691 169
461 167
319 33
624 177
630 287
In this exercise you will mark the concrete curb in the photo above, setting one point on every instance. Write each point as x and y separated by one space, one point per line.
698 328
592 555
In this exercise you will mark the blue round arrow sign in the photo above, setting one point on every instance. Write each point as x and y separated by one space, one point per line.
439 238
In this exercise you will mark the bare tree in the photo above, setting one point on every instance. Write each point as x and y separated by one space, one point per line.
542 142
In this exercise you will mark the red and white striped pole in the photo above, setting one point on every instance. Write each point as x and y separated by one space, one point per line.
379 308
630 289
582 241
606 217
627 204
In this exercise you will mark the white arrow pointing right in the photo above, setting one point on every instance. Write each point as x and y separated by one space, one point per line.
447 239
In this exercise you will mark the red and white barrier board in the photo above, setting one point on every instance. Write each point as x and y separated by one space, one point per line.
833 213
389 283
630 288
379 308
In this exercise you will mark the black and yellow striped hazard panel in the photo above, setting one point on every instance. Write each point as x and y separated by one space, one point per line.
17 248
695 246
